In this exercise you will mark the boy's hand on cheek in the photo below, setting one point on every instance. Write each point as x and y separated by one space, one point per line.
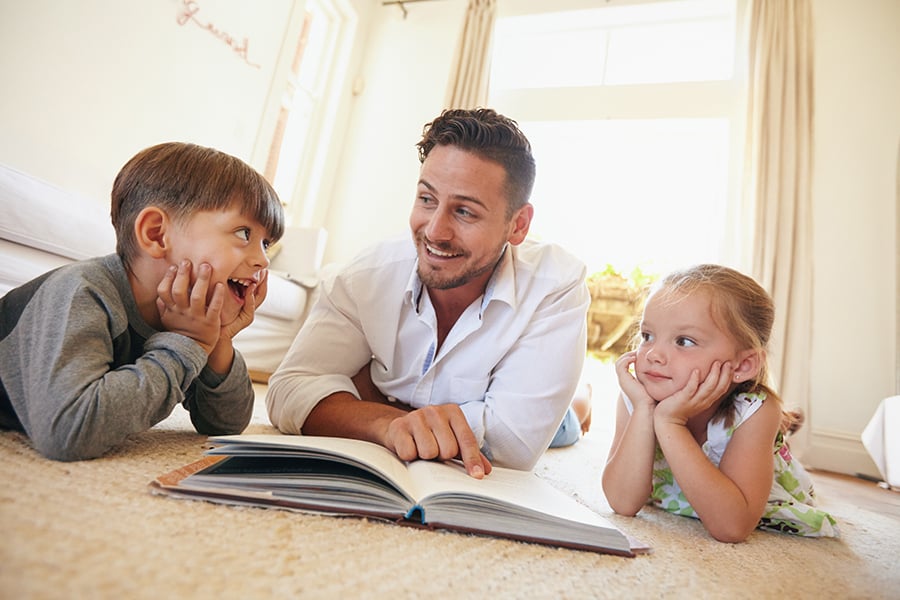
254 296
182 306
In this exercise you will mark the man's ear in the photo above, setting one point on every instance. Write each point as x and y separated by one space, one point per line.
749 364
521 222
150 229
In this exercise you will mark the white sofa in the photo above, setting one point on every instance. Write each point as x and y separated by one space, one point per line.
43 227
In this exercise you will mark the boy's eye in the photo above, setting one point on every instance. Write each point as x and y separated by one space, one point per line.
686 342
266 244
243 233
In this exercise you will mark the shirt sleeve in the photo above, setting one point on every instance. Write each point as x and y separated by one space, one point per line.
79 395
221 405
533 386
329 349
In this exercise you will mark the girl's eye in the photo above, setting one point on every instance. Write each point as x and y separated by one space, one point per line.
646 337
686 342
243 233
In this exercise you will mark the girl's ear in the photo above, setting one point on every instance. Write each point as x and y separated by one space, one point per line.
150 228
749 364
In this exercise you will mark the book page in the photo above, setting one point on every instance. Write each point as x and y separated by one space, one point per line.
522 490
372 457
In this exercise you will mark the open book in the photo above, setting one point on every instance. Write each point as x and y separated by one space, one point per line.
337 476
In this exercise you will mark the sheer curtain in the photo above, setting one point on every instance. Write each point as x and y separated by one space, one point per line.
468 86
780 143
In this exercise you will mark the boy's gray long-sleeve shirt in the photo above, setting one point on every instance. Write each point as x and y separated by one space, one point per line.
80 369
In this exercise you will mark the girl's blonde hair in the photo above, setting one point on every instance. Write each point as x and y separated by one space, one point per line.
740 307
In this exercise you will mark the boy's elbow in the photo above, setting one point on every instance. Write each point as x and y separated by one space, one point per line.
67 452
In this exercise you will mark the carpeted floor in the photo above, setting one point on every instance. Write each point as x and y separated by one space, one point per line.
92 530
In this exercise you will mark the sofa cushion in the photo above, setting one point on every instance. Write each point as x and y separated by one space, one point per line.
37 214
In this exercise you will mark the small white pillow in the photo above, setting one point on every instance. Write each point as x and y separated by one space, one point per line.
37 214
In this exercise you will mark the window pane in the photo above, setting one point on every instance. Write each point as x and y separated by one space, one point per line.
648 193
672 41
700 51
544 59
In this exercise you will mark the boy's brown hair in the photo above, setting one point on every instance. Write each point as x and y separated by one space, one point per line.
183 178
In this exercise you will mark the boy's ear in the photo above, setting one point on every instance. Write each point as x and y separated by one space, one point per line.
150 228
749 364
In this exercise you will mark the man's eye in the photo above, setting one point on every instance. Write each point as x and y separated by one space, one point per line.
465 213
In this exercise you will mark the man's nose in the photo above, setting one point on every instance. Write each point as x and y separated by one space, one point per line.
439 226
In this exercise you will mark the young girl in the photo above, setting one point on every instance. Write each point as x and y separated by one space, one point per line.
698 431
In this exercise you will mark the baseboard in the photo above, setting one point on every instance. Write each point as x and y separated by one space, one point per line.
840 452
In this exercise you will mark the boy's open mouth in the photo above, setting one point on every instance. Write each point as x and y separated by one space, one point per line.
238 287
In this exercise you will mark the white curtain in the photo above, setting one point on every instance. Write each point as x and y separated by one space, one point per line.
780 144
469 75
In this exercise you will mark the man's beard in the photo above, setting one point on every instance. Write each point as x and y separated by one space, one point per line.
437 280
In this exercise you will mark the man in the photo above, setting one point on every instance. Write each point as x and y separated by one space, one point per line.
469 342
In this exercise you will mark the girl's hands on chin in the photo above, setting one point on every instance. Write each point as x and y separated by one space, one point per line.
696 396
629 384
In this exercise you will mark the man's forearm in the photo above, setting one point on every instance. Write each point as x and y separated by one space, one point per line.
343 415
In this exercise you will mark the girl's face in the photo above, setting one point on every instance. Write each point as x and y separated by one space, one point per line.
233 244
678 336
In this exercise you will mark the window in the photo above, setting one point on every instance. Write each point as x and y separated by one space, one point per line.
635 115
301 114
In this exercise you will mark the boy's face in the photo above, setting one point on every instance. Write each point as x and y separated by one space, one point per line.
679 335
233 244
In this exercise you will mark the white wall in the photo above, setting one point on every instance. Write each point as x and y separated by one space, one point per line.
857 139
88 84
402 84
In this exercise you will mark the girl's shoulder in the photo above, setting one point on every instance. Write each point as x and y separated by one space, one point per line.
745 406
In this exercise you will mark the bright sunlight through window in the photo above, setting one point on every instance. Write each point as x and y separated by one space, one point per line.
632 111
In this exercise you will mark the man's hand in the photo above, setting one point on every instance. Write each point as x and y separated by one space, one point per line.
183 309
437 432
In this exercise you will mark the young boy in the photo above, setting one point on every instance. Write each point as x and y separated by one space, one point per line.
100 349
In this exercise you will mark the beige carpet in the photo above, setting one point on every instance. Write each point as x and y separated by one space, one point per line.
92 530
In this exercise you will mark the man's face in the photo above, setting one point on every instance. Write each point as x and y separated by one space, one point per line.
459 220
